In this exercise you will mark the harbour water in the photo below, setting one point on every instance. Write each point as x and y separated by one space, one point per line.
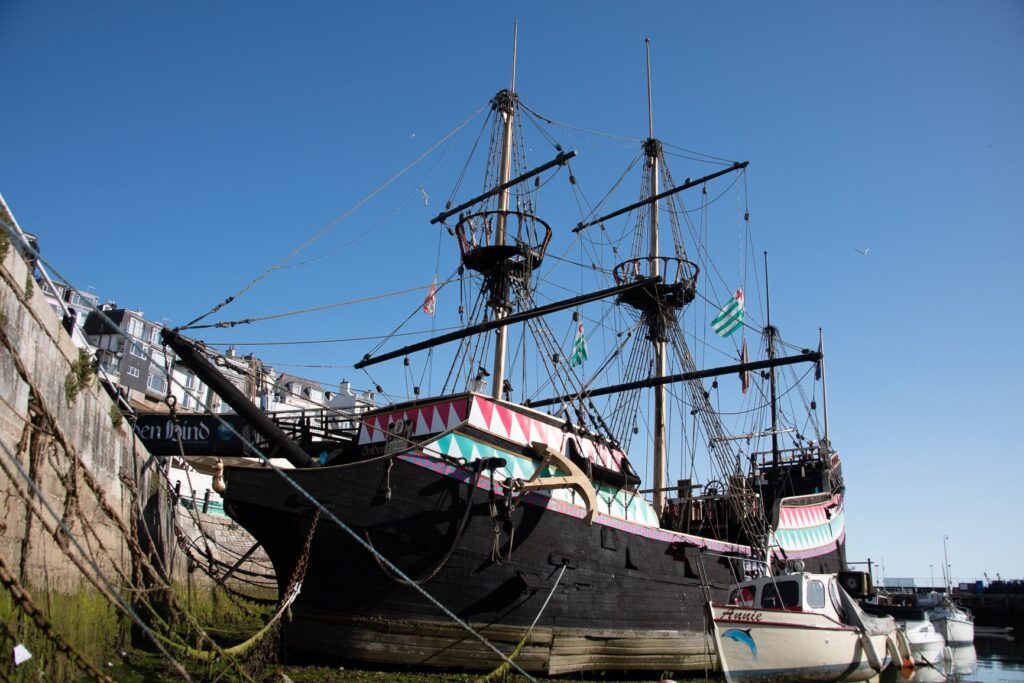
990 660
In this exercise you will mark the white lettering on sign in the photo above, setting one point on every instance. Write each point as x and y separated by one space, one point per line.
171 432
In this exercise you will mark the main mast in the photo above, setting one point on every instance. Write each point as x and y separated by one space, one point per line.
652 147
673 285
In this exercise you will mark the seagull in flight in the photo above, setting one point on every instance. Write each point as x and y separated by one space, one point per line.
863 252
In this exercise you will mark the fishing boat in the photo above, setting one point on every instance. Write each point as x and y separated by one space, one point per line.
799 626
486 522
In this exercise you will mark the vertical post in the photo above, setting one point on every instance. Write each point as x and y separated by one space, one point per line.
824 391
650 102
660 344
500 311
770 334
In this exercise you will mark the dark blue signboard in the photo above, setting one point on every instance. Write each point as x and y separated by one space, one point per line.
199 434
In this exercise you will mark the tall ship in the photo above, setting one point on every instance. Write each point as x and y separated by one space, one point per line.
493 523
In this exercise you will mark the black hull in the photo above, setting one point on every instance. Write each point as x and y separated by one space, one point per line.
625 600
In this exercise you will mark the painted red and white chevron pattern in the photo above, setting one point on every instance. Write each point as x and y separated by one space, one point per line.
521 428
805 516
428 419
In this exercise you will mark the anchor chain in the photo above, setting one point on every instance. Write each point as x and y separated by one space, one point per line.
501 513
458 534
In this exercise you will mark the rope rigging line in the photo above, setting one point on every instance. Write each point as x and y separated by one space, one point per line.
405 200
614 188
439 286
501 672
469 158
631 140
330 226
340 340
698 156
314 309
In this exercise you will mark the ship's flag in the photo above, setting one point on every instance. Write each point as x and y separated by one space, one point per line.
430 303
730 318
579 349
745 374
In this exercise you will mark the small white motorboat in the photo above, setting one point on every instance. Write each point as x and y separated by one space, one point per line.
801 627
927 645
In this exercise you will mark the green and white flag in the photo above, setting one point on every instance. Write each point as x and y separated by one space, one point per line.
730 318
579 349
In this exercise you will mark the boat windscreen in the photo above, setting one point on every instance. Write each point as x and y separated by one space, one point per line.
780 594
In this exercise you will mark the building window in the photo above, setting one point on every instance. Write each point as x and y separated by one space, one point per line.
154 335
190 381
135 328
110 364
186 402
156 382
137 349
133 371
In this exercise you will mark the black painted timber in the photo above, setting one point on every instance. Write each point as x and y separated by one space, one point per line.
508 320
809 357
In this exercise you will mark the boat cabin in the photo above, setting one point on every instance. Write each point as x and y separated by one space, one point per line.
798 591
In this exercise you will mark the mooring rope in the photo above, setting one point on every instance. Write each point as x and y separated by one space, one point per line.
501 670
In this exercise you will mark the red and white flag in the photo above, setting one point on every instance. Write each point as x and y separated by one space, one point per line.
430 303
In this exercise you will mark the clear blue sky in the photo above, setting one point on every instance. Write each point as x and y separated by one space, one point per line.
166 153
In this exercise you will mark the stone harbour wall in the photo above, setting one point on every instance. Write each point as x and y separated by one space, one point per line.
60 436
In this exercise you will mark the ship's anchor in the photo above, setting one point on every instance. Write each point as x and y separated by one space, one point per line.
576 479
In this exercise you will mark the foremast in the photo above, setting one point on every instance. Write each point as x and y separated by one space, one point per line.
505 102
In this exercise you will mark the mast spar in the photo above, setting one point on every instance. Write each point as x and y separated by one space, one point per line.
506 108
652 147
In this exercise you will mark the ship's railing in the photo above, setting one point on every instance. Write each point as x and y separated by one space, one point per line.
523 249
305 425
677 287
715 505
788 456
672 269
